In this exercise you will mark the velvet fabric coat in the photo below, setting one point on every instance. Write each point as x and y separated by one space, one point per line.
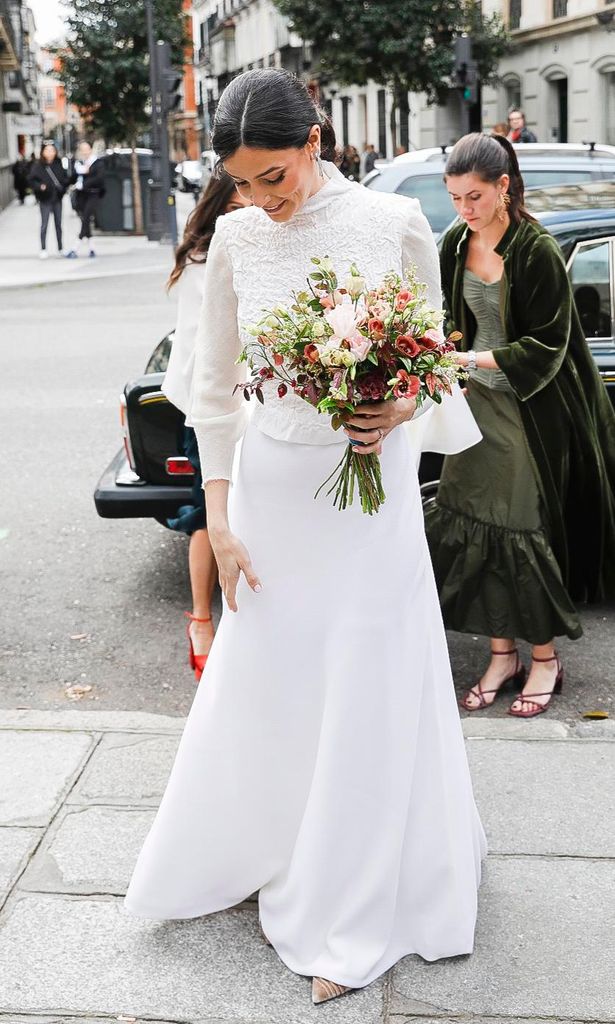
565 410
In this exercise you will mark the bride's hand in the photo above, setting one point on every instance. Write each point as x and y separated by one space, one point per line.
370 423
233 559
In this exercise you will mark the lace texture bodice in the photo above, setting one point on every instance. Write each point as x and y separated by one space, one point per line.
253 264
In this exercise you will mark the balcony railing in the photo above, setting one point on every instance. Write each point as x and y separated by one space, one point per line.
560 8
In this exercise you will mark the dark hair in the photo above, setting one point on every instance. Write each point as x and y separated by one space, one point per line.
201 223
490 156
45 143
268 108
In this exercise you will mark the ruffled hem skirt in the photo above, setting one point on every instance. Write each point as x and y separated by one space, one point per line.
494 565
323 762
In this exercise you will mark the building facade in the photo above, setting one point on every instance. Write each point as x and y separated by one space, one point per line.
232 36
183 125
61 119
21 127
561 71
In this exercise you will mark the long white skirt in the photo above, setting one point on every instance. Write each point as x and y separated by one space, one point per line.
323 761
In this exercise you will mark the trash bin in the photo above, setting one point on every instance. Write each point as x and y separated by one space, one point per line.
115 211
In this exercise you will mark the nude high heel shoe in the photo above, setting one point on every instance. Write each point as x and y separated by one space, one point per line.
323 990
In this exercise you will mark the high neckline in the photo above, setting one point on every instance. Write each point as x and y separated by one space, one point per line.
335 186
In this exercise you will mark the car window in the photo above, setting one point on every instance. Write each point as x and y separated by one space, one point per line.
536 177
590 275
435 201
159 359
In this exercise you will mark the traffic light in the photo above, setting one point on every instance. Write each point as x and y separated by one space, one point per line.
465 70
170 80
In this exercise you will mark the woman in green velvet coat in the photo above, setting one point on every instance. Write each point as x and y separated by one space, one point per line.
523 527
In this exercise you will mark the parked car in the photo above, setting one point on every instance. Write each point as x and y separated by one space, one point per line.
148 477
189 175
419 174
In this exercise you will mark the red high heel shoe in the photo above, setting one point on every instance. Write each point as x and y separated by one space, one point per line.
197 661
538 708
517 677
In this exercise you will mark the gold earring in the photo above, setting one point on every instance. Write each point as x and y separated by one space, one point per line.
501 206
321 170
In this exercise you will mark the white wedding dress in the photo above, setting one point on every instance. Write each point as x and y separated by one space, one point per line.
323 761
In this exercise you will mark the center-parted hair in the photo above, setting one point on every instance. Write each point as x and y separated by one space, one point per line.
489 157
268 108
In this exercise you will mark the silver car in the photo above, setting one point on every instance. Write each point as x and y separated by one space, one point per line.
419 174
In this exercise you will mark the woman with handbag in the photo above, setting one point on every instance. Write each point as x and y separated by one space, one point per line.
523 526
49 182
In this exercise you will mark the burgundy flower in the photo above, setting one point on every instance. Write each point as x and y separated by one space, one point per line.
372 387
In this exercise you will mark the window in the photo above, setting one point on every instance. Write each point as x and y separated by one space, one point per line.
534 179
590 276
514 14
560 8
382 123
435 201
512 87
609 105
345 105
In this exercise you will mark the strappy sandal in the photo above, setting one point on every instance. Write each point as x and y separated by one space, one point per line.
538 708
518 677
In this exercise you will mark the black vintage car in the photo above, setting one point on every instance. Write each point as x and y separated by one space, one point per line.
148 477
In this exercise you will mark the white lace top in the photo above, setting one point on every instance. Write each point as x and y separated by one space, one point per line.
254 263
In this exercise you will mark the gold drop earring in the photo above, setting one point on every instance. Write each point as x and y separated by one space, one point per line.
501 206
321 170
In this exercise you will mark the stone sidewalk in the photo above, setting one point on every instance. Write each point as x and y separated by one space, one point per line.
78 791
20 266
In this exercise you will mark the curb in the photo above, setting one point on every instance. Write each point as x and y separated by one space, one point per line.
145 722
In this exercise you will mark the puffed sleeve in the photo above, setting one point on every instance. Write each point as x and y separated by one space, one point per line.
532 361
419 248
450 426
218 415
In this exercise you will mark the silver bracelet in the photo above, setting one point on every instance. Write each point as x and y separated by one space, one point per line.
471 360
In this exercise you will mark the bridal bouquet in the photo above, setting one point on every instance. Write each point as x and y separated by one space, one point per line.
339 345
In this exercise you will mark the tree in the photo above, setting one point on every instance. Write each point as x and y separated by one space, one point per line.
405 45
105 68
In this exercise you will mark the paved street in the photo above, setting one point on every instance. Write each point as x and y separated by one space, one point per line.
78 792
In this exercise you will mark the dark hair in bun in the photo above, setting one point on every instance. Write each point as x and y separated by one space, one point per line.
490 156
268 108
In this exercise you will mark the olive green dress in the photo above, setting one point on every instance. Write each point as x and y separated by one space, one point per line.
496 572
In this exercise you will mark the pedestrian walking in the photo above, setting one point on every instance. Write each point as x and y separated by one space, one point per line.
89 181
368 160
220 197
524 522
49 183
21 171
517 128
323 762
351 162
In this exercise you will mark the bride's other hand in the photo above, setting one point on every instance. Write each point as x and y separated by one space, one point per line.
370 423
233 559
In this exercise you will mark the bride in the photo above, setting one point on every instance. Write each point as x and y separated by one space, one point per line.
323 762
